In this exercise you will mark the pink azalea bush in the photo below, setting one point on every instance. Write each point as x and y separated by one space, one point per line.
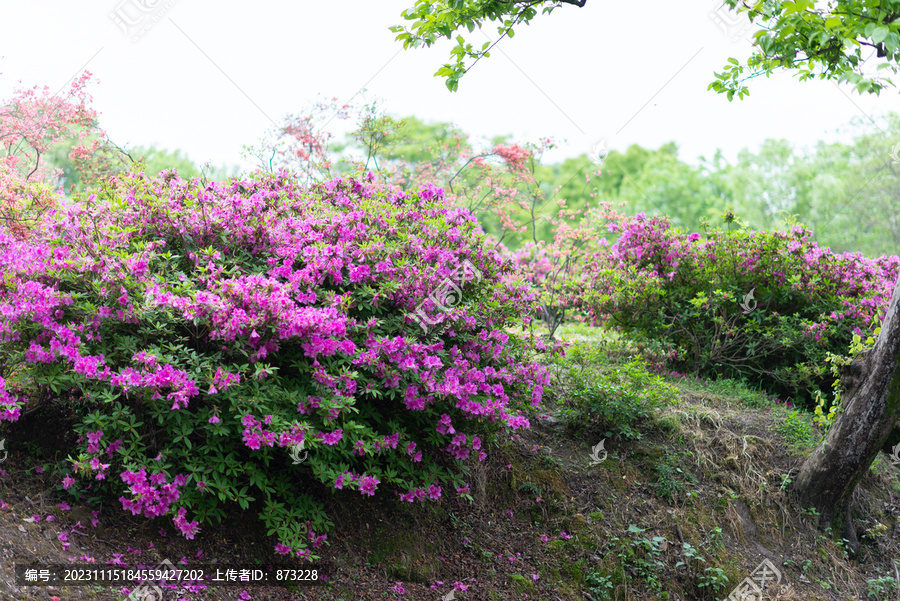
691 294
205 331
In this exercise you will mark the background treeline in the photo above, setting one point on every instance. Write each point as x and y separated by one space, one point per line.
848 194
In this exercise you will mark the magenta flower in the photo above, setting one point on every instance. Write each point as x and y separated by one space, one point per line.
367 485
282 549
331 438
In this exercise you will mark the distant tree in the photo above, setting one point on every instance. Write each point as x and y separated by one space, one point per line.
34 126
153 160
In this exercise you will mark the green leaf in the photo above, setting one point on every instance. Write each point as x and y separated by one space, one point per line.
880 33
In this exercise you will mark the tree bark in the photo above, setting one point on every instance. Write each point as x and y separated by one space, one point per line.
870 410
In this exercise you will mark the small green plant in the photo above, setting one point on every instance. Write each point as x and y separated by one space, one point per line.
716 538
785 481
691 554
667 484
600 587
714 578
881 589
531 488
844 545
642 555
877 531
810 511
548 461
796 429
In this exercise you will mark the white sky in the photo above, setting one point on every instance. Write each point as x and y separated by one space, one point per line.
209 77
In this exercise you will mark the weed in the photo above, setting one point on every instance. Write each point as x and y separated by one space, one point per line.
785 481
716 538
796 429
690 553
714 578
600 587
877 531
670 480
531 488
642 555
881 589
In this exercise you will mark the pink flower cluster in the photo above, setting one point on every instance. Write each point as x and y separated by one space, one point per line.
9 408
365 484
420 494
154 497
254 435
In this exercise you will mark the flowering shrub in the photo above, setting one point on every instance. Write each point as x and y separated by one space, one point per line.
207 331
695 295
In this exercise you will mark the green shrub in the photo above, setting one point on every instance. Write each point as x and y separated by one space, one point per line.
595 393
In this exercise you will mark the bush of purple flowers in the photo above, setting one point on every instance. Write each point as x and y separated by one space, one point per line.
765 306
209 333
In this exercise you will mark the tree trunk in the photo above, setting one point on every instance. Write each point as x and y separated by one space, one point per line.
870 410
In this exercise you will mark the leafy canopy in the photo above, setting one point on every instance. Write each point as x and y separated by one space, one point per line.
833 40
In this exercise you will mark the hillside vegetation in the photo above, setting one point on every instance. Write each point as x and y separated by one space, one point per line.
688 501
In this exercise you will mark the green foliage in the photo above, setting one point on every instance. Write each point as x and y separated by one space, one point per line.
838 364
796 429
642 554
614 397
434 20
830 40
842 191
670 480
881 589
739 390
819 40
714 579
599 586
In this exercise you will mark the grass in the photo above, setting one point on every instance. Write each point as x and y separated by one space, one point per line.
796 428
736 390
